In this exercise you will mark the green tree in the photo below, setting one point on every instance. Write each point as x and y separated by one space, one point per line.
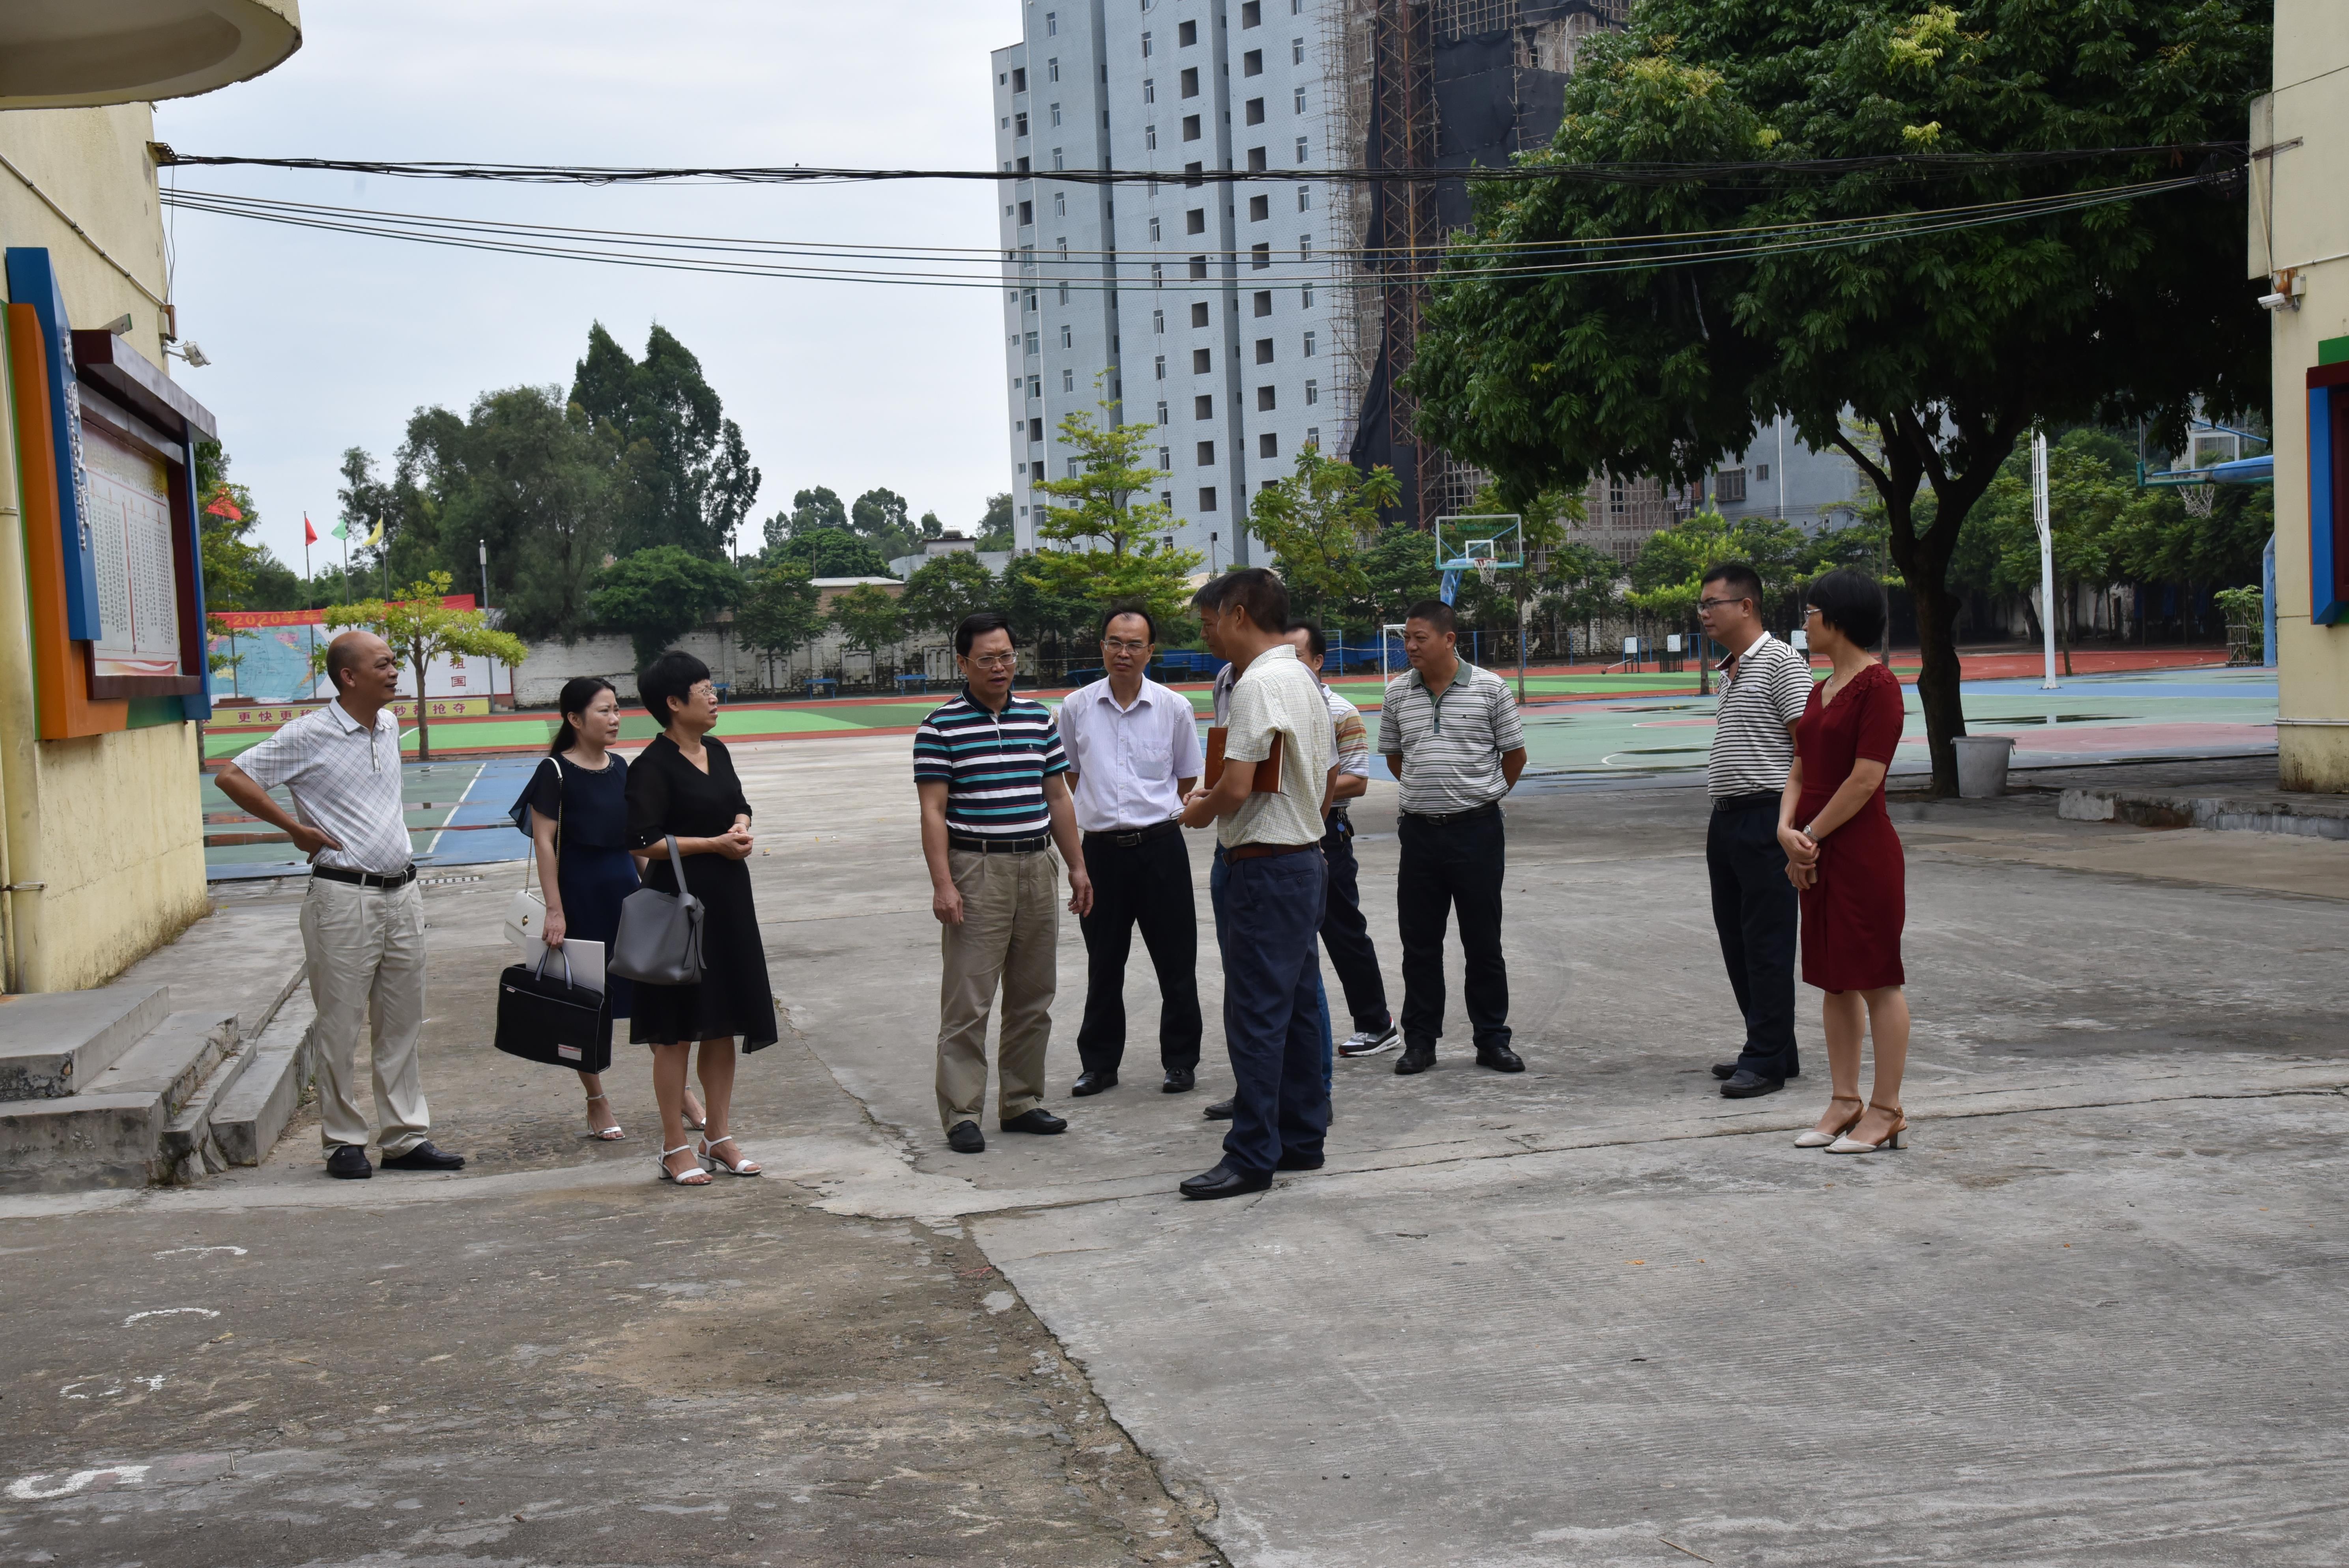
1110 505
995 523
868 617
1032 596
1951 340
832 552
819 507
1316 521
880 515
1398 570
778 611
2088 500
420 628
694 483
657 595
944 589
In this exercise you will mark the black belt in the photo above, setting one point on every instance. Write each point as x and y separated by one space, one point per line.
365 878
1258 851
979 844
1490 808
1125 838
1753 801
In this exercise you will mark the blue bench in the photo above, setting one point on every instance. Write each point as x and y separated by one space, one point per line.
822 686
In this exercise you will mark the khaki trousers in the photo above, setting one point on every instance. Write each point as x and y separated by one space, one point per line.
1010 932
365 948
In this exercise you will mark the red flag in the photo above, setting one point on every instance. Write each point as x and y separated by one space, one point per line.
309 532
221 506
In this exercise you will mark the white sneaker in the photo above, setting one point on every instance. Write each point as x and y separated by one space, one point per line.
1369 1044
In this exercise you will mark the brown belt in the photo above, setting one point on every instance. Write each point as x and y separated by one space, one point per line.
1258 851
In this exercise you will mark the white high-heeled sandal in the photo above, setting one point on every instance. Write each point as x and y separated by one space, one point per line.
744 1166
1815 1138
694 1177
611 1134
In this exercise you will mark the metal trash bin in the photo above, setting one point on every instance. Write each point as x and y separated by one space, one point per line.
1981 765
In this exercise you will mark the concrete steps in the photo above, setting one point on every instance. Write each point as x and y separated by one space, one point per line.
111 1133
253 1109
2235 811
55 1044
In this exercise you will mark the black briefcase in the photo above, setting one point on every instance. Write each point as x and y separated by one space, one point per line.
545 1018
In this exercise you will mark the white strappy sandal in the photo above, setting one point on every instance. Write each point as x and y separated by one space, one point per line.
744 1166
690 1178
611 1134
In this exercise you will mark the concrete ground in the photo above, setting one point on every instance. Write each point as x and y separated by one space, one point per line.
1589 1314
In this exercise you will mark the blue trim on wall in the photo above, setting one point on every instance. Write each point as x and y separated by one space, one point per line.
2323 545
33 281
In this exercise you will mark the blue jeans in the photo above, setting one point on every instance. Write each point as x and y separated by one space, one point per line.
1321 989
1275 1026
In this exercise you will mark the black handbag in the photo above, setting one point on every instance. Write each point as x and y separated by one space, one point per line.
543 1019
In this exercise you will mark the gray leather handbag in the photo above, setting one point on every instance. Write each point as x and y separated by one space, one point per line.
660 939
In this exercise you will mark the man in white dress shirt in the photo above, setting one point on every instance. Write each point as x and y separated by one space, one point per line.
363 916
1134 754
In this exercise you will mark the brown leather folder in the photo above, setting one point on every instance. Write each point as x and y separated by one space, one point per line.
1268 772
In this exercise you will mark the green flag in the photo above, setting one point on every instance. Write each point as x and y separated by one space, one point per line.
341 530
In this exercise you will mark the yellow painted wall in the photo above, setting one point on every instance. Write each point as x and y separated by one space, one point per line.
2300 215
112 823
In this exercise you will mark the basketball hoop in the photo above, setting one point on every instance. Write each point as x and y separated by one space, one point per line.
2199 498
1487 570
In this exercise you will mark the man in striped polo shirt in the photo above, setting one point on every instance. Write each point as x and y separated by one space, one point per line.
1764 685
989 769
1450 732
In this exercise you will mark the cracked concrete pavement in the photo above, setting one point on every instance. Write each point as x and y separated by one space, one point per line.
1592 1313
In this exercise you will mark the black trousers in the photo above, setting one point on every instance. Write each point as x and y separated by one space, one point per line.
1148 885
1347 935
1447 866
1755 908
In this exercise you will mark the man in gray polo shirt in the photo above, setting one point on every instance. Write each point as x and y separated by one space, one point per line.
1450 732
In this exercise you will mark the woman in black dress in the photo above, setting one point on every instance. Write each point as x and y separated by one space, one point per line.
684 784
578 817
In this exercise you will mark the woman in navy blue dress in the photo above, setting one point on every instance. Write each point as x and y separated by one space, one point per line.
579 823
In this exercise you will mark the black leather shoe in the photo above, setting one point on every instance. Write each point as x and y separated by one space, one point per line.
1224 1182
1035 1119
964 1137
350 1162
1091 1083
1414 1059
424 1157
1221 1111
1744 1086
1724 1069
1500 1058
1179 1081
1299 1162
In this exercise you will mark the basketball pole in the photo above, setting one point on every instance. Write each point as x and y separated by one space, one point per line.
2046 554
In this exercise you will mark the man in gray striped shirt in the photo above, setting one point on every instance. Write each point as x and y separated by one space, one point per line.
1450 732
1764 685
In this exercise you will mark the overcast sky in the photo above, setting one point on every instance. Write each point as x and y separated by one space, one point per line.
321 342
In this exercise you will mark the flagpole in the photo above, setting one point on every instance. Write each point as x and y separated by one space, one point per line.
309 605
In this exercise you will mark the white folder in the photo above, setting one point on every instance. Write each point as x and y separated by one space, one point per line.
586 960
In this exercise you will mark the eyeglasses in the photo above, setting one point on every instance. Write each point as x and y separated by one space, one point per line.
1119 645
1717 604
993 660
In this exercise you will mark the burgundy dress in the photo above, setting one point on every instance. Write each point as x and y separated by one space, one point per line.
1853 914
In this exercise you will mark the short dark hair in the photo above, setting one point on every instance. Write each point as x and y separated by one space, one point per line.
1128 607
1436 613
1259 593
978 624
342 657
671 677
1210 595
1314 643
1739 578
1850 601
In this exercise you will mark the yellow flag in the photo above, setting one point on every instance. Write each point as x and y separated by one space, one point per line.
375 538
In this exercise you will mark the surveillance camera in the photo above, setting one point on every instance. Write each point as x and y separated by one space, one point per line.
195 357
2289 286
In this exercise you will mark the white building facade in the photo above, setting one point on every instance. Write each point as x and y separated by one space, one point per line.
1198 306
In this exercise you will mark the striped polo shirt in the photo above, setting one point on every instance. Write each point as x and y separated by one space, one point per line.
1447 754
1762 693
993 764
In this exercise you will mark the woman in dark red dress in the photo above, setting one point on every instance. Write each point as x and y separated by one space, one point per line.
1845 857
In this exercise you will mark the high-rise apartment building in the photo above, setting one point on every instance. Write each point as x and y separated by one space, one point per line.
1199 307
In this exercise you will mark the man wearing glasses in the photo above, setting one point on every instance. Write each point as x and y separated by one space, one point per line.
1133 747
995 804
1764 685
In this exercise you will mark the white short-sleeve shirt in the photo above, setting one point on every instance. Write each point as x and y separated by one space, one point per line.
1279 693
344 779
1127 760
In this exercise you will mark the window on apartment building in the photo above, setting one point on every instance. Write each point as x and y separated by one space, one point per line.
1023 168
1027 213
1256 161
1035 430
1296 51
1146 45
1158 322
1067 381
1301 149
1190 81
1191 175
1206 454
1252 63
1035 386
1309 342
1255 111
1005 123
1036 472
1067 336
1076 468
1056 114
1198 269
1728 484
1155 232
1206 498
1190 128
1052 69
1268 445
1312 394
1260 256
1150 90
1308 293
1305 198
1165 457
1259 209
1162 412
1264 302
1296 7
1059 163
1019 125
1305 247
1195 222
1150 145
1296 100
1251 14
1158 274
1313 435
1020 78
1186 34
1264 350
1199 313
1761 472
1064 293
1614 494
1166 499
1060 203
1201 361
1266 401
1032 344
1203 407
1062 246
1158 368
1051 24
